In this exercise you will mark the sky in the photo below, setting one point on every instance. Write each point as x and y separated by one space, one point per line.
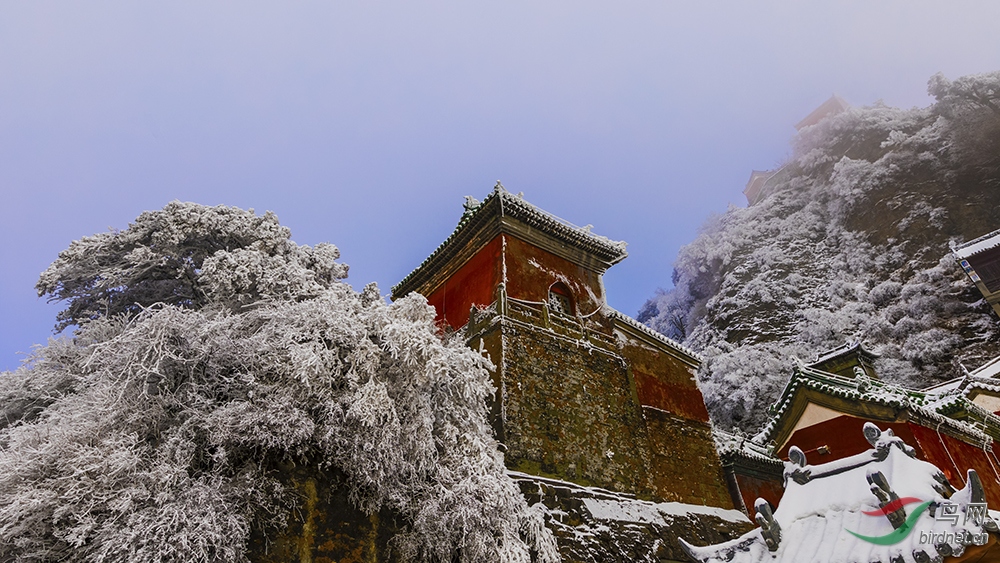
365 123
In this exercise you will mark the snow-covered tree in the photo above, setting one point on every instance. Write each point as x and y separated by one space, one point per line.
209 350
850 239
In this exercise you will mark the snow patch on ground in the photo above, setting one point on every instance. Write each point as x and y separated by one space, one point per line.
649 512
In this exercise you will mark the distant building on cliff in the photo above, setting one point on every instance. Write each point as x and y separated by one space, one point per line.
760 180
980 258
829 108
584 393
755 185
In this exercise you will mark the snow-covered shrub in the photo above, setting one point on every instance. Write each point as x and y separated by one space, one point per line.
211 349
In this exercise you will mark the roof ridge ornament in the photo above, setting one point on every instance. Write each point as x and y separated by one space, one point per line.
471 205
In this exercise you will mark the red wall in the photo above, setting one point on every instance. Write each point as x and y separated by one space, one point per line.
845 438
965 457
665 383
474 283
531 271
752 488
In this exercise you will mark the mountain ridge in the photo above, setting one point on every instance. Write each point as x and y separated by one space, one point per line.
849 239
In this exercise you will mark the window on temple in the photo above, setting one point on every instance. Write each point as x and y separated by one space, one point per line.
560 298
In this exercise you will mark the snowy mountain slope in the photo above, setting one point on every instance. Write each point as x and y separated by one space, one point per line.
850 238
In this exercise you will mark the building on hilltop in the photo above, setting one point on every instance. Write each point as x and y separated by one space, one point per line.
980 258
755 185
834 105
761 181
585 394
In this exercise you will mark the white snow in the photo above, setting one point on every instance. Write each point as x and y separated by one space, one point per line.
849 491
817 518
794 274
981 244
626 510
990 369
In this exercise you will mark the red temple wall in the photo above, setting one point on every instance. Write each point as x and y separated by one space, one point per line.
473 284
965 457
845 438
531 271
752 488
665 383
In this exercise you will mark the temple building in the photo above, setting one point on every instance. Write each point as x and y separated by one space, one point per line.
980 258
834 105
585 394
881 505
751 469
762 181
826 404
755 185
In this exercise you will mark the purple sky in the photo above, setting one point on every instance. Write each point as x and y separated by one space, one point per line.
364 123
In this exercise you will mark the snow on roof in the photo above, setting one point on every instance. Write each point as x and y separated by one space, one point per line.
975 246
612 505
820 516
945 387
627 320
592 523
990 369
935 406
850 346
730 444
654 512
502 203
986 377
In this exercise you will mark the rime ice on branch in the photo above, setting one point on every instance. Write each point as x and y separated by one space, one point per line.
212 353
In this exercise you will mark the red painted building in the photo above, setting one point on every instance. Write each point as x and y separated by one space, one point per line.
584 393
825 405
752 471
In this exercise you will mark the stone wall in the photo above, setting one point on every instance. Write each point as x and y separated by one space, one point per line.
685 464
597 526
569 410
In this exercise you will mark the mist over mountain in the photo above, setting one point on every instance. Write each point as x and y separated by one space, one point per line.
849 239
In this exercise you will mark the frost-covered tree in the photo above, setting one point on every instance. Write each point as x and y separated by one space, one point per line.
850 240
210 349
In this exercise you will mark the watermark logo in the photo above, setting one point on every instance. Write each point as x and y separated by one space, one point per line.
945 511
900 533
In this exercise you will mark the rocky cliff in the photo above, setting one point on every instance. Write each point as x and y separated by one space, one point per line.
850 238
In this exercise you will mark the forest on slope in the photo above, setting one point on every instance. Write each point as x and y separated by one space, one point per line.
850 239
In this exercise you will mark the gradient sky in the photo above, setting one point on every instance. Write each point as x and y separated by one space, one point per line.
364 123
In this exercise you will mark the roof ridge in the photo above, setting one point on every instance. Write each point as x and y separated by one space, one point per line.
877 391
615 313
978 239
975 246
610 250
520 202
